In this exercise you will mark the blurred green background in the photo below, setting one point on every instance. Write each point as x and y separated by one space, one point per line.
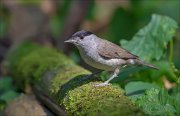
51 22
113 20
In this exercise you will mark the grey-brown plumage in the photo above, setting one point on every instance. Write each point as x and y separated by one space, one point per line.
109 50
103 54
114 51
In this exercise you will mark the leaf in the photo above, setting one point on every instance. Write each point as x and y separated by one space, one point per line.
9 95
136 89
150 41
127 73
7 91
5 84
157 102
177 103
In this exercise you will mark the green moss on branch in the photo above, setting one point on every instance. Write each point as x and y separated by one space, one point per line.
105 101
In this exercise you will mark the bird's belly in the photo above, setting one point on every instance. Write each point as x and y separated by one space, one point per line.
96 61
99 65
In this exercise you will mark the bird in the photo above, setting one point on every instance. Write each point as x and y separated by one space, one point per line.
103 54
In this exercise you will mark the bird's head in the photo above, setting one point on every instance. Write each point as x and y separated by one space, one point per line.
81 38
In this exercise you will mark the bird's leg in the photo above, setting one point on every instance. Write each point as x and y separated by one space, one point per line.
115 74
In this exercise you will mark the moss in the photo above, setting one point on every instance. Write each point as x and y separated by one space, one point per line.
90 100
38 62
30 62
16 54
69 72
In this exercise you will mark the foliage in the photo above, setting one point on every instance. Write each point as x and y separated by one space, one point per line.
150 44
156 100
152 39
7 92
159 102
146 74
136 89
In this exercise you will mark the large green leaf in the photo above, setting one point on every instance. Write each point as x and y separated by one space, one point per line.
150 42
137 86
136 89
158 102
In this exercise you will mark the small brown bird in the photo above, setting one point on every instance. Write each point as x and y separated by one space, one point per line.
104 55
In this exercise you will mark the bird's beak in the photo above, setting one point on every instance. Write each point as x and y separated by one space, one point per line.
69 41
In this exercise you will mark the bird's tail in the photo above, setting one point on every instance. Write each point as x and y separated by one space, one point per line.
139 62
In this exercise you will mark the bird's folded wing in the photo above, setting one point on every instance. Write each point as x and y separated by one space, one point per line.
108 50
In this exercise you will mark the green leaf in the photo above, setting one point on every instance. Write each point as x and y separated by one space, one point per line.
136 89
150 42
177 103
5 84
157 102
9 95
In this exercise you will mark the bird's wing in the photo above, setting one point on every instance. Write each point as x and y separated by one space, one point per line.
110 50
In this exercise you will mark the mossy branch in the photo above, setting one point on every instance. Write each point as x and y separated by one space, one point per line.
67 85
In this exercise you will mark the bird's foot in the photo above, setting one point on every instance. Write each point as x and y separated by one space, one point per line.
102 84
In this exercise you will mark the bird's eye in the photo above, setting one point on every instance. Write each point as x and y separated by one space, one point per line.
81 37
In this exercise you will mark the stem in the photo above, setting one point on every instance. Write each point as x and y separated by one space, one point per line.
171 60
171 51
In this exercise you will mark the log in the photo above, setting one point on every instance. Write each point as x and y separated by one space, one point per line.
63 86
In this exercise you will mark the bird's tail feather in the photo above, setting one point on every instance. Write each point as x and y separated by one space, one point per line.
146 64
